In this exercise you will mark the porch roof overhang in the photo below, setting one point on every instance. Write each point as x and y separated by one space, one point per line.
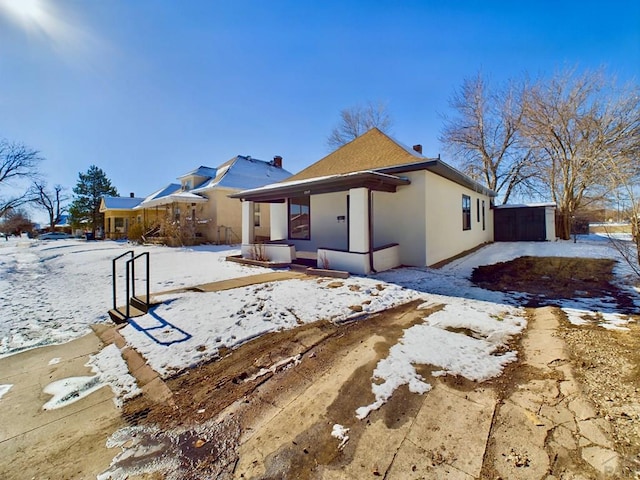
278 192
181 197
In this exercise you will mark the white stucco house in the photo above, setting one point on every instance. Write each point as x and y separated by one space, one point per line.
372 205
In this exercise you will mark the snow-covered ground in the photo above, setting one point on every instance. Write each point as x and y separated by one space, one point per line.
50 292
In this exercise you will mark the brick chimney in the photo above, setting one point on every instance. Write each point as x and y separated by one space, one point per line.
131 195
418 148
277 161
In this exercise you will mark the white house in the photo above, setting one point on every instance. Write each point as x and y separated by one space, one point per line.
372 205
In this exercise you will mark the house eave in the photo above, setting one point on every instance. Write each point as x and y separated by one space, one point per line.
169 200
375 181
442 169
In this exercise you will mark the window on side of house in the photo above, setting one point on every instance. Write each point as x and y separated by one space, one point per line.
299 218
256 215
484 217
119 225
466 212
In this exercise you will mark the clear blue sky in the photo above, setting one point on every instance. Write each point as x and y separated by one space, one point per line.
150 89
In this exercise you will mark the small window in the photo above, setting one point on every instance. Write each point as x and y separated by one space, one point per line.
299 218
256 214
119 225
484 221
466 212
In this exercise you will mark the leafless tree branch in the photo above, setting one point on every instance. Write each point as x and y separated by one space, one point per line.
356 120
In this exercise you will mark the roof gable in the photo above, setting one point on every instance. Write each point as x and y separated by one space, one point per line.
201 171
373 151
370 151
241 173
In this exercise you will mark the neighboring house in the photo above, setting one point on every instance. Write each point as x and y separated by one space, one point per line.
62 225
201 199
372 205
118 215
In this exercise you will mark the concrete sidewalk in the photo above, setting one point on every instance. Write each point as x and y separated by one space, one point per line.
239 282
67 442
70 442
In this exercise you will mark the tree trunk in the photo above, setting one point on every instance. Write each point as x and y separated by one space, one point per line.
563 225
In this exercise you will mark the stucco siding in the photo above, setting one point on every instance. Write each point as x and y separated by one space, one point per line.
445 237
326 229
400 218
278 221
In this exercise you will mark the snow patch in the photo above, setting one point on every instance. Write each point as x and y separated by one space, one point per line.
69 390
610 321
54 361
109 368
431 343
341 433
4 389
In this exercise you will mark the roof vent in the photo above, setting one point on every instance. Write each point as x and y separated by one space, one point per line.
418 148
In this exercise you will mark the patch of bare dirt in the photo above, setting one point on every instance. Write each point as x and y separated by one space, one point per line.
607 364
547 279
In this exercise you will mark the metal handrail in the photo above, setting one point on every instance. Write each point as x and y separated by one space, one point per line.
132 261
113 270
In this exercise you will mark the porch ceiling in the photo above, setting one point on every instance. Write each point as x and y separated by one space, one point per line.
336 183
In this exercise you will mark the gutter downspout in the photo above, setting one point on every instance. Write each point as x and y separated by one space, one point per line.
370 199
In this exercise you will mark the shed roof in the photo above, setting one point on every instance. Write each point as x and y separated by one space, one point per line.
527 205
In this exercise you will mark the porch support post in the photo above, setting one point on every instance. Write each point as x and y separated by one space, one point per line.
359 240
248 234
278 221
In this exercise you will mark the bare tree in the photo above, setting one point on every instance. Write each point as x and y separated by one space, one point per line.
16 221
356 120
576 127
485 134
624 175
17 162
49 200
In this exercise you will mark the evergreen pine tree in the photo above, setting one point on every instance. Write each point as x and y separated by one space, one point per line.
91 187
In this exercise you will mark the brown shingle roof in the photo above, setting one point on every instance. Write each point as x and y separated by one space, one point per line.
369 151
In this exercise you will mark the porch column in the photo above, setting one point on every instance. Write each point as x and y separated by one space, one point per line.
359 220
278 221
248 234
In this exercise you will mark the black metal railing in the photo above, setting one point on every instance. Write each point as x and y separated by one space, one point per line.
130 282
114 282
131 269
